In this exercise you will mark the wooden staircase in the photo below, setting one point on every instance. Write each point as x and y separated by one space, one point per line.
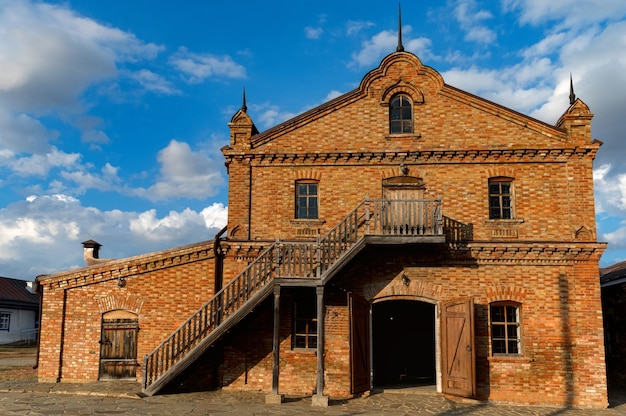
390 221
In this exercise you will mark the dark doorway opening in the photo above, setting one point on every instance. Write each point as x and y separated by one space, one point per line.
403 333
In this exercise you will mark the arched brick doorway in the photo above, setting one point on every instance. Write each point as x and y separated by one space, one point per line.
118 345
404 343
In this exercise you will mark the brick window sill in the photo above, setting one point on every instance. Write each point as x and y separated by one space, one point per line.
312 351
414 136
505 222
510 359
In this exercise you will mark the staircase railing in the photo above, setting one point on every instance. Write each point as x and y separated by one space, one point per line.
293 260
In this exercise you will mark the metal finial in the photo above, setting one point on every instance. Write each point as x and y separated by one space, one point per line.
399 48
244 107
572 96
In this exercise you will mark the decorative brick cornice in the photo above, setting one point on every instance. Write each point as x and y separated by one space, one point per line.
536 253
128 267
422 156
244 250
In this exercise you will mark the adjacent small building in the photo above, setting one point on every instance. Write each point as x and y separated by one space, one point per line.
19 311
613 282
405 233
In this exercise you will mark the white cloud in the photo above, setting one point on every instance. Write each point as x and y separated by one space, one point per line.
480 34
196 67
313 32
353 27
332 95
41 164
49 56
43 234
568 12
22 133
610 190
510 87
184 174
380 45
470 21
153 82
269 115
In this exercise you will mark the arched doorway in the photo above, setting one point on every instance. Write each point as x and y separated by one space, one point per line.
403 335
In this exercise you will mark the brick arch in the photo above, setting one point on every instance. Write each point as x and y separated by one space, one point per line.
307 174
501 171
129 302
396 289
497 293
417 96
583 233
394 171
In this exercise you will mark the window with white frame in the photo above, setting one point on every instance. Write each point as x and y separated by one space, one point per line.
5 321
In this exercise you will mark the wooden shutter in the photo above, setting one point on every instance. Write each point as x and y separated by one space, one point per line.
359 310
457 355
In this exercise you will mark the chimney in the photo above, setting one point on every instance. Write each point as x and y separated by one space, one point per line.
91 252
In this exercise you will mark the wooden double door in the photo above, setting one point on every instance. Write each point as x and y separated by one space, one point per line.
457 347
118 347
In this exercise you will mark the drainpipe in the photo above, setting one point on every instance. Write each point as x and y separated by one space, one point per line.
217 286
250 201
39 291
219 260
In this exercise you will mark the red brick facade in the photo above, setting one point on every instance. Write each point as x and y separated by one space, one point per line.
544 258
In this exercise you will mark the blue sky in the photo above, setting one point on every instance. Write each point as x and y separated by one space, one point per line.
112 113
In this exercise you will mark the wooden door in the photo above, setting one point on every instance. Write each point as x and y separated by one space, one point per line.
118 348
400 216
359 310
457 344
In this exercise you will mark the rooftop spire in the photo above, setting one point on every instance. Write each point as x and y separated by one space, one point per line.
572 96
399 48
244 107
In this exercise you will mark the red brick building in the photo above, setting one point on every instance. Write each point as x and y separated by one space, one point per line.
404 233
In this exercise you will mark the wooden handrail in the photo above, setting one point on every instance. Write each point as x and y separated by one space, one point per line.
283 259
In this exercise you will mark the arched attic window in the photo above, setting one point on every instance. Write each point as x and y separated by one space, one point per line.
400 114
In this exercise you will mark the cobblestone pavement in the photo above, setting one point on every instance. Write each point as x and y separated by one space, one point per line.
123 398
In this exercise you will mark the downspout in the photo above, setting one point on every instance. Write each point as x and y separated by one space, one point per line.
250 202
219 260
39 291
217 286
61 347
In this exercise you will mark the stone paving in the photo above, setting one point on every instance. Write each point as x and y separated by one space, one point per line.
27 397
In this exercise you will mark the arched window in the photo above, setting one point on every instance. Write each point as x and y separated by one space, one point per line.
400 115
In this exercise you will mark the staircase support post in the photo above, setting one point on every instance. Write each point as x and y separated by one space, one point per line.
274 397
319 257
319 399
367 215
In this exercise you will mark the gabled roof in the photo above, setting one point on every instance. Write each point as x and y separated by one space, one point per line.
554 131
14 294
